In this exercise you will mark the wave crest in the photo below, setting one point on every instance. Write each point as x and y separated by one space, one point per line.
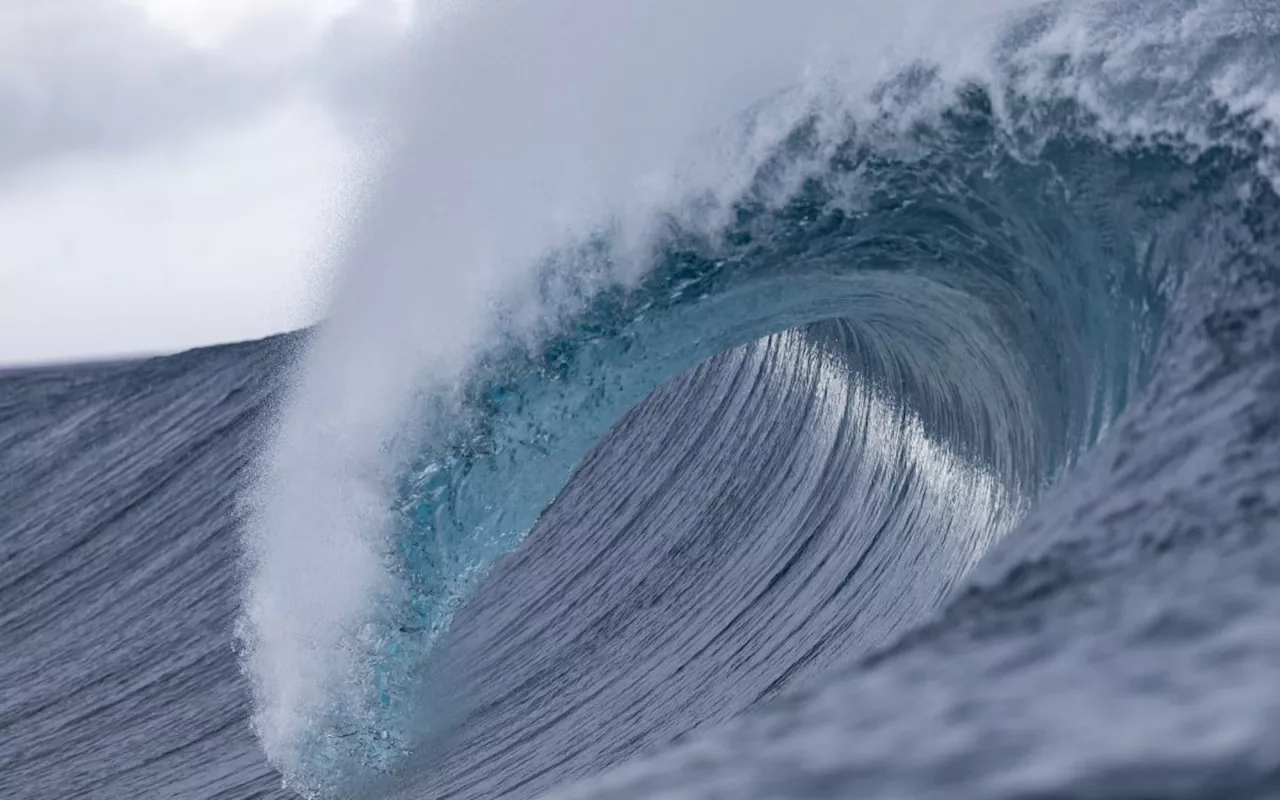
995 257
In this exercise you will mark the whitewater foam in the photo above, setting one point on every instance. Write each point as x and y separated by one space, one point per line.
530 124
532 128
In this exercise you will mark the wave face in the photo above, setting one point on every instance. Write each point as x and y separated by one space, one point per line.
118 579
934 277
876 402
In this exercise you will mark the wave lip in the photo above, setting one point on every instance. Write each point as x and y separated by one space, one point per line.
1005 256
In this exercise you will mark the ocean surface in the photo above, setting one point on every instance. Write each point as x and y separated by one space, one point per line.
886 413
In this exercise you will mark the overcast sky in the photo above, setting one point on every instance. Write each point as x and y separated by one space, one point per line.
178 172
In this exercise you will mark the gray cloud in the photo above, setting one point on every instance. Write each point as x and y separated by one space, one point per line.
96 75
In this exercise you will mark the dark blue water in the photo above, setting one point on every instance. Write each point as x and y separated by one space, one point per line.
945 464
119 580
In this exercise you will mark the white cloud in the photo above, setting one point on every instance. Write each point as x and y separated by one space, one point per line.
96 75
103 74
172 171
209 24
224 237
